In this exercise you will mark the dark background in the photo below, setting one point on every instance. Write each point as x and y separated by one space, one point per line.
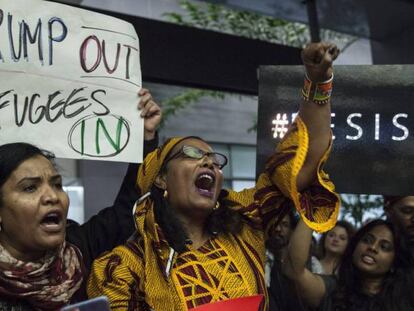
180 55
366 165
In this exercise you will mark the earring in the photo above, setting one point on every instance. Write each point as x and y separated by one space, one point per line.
217 206
1 227
165 194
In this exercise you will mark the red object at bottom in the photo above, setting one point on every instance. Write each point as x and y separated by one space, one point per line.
250 303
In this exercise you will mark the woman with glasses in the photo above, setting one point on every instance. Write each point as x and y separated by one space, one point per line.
197 243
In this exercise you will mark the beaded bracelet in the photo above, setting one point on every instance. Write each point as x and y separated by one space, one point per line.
319 92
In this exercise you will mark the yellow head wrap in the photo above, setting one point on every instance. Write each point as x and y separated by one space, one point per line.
150 168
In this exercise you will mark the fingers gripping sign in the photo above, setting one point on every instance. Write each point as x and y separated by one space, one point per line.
151 112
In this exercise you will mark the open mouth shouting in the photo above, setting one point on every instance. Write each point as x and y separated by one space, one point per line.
205 183
53 221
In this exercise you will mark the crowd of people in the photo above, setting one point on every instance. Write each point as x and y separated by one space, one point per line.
174 239
373 270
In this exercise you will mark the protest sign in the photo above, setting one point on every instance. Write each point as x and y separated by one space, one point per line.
69 81
372 124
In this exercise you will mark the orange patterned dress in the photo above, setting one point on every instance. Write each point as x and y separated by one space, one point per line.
144 274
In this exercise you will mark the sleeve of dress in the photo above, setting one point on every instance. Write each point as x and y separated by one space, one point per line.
276 192
118 275
113 225
318 205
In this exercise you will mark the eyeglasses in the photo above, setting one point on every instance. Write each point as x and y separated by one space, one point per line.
218 159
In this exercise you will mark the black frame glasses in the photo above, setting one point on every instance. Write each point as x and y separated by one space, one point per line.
218 159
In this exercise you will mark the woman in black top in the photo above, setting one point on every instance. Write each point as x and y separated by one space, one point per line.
375 274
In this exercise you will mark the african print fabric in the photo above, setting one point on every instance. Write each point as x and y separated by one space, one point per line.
145 274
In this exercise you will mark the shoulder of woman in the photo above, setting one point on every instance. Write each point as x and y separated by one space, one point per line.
129 254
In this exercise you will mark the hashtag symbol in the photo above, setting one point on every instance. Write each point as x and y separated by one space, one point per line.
280 125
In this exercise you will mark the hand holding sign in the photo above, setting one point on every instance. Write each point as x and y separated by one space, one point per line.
151 113
73 73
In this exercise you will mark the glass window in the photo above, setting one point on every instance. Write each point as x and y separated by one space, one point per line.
240 172
243 160
224 149
76 210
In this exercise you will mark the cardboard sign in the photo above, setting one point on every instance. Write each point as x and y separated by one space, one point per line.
69 81
372 123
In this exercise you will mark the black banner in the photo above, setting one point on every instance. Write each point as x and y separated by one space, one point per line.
372 123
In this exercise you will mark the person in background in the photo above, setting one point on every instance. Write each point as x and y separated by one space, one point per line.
43 262
276 245
400 211
332 245
374 274
282 292
197 243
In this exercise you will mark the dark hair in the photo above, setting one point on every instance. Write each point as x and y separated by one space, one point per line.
221 220
286 209
396 291
390 200
350 231
12 155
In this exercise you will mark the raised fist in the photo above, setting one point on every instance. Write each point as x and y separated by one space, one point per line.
318 59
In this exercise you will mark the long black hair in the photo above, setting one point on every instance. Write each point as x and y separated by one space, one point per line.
396 291
14 154
221 220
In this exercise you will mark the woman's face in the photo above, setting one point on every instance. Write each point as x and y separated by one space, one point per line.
193 185
34 209
336 240
374 253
